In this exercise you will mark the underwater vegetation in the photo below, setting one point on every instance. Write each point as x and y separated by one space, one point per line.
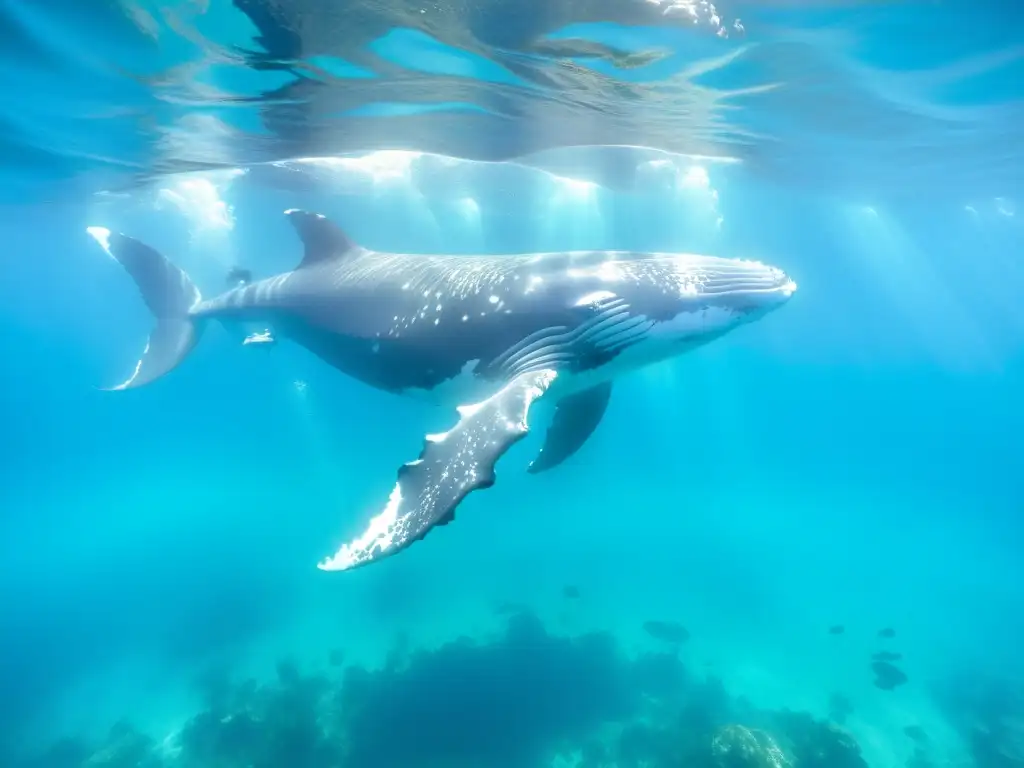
521 700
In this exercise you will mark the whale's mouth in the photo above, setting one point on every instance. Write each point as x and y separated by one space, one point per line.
749 287
784 285
783 291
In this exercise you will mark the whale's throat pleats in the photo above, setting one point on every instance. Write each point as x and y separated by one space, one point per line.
600 327
593 334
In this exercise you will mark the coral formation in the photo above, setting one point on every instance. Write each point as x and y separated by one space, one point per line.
124 747
519 701
736 746
254 726
816 743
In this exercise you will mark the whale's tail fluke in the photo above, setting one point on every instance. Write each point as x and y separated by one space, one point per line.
170 296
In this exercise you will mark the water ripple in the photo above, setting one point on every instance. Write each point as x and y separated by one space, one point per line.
842 96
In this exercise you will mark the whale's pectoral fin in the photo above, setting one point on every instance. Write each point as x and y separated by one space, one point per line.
576 418
450 467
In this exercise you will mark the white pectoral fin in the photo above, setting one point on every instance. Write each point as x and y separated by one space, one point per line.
450 467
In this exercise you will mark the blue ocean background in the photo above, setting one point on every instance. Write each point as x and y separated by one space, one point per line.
851 461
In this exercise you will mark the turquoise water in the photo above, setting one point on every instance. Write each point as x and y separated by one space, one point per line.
851 461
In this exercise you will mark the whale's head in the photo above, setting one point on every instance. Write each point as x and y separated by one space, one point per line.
686 300
748 289
714 295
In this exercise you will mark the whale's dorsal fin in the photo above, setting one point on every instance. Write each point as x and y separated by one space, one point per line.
322 238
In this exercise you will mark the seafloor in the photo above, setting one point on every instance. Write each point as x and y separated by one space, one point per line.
528 697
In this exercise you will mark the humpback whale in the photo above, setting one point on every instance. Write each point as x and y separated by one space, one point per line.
488 335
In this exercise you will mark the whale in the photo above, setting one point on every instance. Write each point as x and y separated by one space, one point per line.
487 336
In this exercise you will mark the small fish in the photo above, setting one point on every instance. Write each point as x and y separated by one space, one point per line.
887 656
571 592
887 676
336 657
836 629
887 633
667 631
